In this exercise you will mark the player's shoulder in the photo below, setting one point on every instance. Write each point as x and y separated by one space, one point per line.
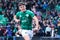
29 11
19 12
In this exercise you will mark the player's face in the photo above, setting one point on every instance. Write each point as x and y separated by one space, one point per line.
22 8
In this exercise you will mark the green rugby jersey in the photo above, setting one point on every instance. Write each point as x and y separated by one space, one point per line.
25 19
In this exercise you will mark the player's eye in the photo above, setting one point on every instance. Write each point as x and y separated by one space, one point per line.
20 6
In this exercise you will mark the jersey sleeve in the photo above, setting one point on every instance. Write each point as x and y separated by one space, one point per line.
31 14
17 15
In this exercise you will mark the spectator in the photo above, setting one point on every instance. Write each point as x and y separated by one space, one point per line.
48 30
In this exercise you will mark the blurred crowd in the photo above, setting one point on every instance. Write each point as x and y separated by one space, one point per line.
47 12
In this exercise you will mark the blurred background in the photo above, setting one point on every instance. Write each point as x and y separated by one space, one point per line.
47 12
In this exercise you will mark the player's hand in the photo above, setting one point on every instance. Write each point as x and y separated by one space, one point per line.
35 30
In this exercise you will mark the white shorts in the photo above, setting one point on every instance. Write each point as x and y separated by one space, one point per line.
26 32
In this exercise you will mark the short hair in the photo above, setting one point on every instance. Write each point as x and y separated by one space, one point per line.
21 3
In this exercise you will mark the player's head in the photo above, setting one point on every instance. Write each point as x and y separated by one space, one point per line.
22 6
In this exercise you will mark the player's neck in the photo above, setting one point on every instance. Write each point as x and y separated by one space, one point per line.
23 10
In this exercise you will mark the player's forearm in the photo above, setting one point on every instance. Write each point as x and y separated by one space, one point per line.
36 22
37 25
